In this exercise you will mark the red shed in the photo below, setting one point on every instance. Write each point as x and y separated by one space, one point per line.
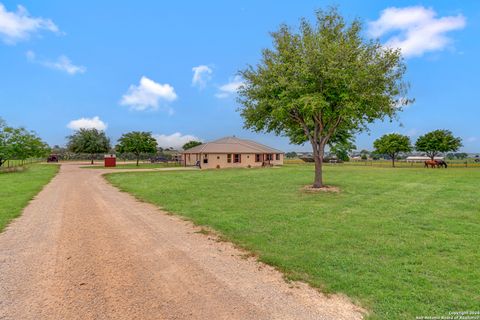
110 160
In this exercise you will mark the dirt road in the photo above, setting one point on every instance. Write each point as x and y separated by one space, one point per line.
83 250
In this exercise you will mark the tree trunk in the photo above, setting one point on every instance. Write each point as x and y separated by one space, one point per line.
91 158
138 158
393 161
318 157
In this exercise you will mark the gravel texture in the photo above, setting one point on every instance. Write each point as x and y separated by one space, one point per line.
84 250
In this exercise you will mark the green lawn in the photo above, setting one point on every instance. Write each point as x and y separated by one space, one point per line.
18 188
134 166
400 242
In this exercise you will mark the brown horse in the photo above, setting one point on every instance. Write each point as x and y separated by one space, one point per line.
431 164
441 163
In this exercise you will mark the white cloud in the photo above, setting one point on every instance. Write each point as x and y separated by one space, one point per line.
201 75
87 123
415 30
472 139
175 140
63 63
148 95
17 26
229 88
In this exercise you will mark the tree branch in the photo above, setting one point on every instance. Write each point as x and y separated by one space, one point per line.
331 130
304 125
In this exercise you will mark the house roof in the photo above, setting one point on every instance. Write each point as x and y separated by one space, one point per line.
232 145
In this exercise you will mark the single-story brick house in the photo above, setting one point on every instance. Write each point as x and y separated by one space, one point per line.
232 152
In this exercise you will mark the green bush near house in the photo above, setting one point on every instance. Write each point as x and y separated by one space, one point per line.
400 242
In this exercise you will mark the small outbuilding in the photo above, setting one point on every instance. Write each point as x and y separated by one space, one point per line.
110 160
232 152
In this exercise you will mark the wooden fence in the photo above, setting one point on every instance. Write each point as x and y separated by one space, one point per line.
12 164
386 163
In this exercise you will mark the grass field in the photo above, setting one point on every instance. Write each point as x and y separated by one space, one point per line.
134 166
18 188
400 242
469 163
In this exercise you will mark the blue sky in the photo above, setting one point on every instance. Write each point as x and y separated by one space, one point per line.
129 65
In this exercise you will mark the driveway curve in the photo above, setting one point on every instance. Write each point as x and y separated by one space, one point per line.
84 250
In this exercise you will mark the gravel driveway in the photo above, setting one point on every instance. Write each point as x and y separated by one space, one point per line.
84 250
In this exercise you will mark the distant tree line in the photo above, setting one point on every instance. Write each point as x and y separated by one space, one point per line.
432 144
458 156
135 145
394 145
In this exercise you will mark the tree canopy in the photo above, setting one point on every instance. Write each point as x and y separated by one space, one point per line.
89 141
137 142
322 82
392 145
19 144
457 155
190 144
438 141
342 150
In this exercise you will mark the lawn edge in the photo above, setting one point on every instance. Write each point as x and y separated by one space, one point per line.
209 232
20 213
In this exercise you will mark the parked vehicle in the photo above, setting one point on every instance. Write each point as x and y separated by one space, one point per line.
158 159
52 158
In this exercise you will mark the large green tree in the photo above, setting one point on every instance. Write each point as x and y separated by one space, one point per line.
392 145
438 141
89 141
322 81
137 142
191 144
19 144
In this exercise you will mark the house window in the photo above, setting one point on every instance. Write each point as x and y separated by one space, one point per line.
269 157
257 157
229 158
237 158
205 159
277 156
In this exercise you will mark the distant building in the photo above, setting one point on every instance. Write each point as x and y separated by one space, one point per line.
305 154
231 152
421 158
